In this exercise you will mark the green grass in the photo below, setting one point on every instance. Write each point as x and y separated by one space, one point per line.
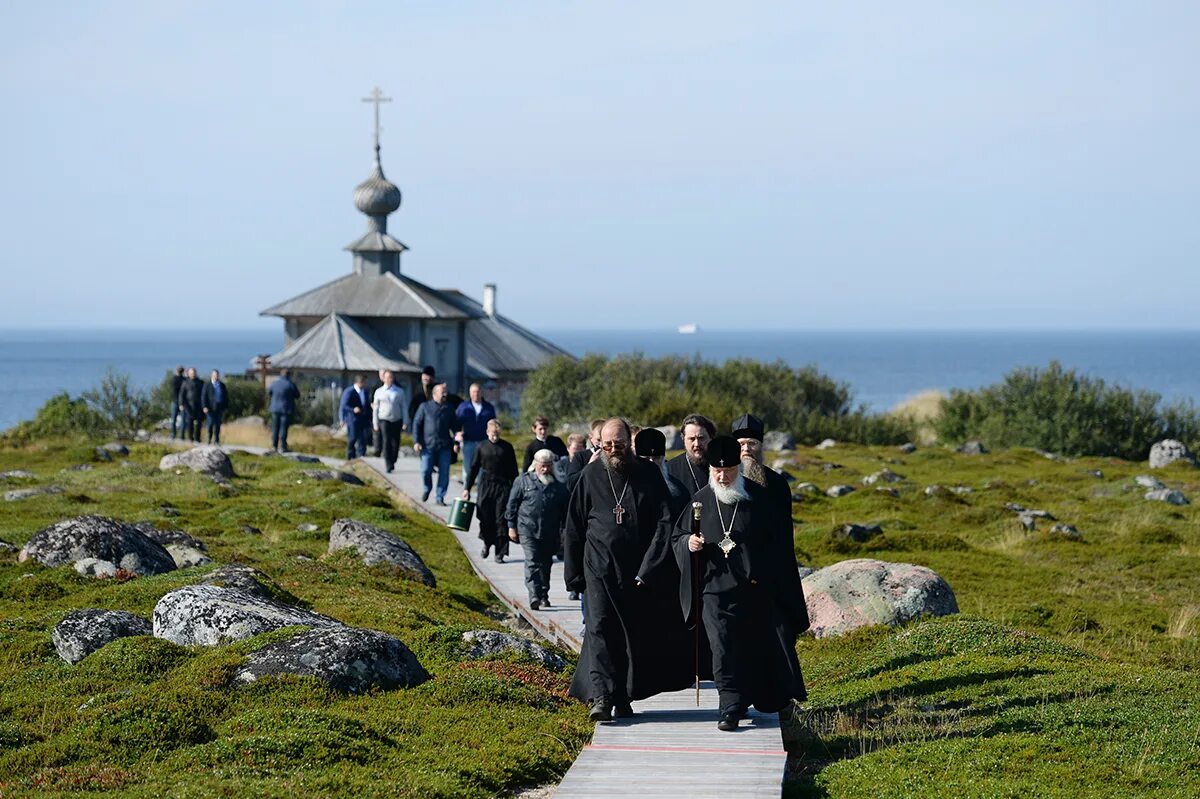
1071 673
143 717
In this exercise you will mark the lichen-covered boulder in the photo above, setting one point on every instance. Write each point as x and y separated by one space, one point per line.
839 490
247 579
330 474
101 538
344 658
18 494
884 475
864 592
211 461
208 615
82 632
486 643
1168 451
376 546
7 548
908 448
185 550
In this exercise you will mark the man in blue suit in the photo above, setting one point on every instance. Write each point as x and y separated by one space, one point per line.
215 401
356 415
283 395
473 416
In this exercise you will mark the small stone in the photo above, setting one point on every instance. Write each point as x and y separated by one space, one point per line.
18 494
1066 531
115 447
807 488
1169 495
972 448
307 527
303 510
17 474
375 546
884 475
167 510
961 490
97 568
8 549
935 490
183 549
860 533
908 448
828 443
488 643
891 492
1168 451
1099 475
1147 481
249 529
778 441
839 490
329 474
300 458
804 571
344 658
103 454
79 467
1014 507
829 467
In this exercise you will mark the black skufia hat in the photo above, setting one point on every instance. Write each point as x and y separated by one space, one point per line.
428 370
650 442
747 426
723 452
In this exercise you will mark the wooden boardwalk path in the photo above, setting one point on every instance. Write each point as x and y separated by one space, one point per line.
671 747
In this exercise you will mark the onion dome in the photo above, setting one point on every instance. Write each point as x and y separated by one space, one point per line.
376 196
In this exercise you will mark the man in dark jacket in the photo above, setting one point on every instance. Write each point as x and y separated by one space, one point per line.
543 440
537 509
176 412
283 395
424 392
433 439
191 402
473 416
215 401
355 411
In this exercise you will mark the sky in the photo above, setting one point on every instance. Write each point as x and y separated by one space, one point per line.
610 165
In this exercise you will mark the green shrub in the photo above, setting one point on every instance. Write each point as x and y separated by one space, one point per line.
658 391
1059 410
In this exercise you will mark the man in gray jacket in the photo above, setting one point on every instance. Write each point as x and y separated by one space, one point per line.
537 508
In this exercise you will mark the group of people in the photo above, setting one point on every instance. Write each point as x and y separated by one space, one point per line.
686 567
197 403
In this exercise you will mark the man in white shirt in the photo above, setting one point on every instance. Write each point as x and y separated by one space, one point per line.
391 417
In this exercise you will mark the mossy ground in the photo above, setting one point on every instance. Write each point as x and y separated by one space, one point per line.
1070 673
143 717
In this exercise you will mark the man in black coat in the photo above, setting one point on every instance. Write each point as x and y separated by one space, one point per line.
176 412
191 402
651 444
542 440
689 467
215 401
748 430
634 645
751 601
434 427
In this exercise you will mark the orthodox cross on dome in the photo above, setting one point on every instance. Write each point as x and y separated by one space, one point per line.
376 98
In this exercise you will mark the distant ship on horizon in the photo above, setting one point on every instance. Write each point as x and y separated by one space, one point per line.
688 329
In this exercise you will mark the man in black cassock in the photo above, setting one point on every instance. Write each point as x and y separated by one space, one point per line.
689 467
751 603
650 444
748 430
634 644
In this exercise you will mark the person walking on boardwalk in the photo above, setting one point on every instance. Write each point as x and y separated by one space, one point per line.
473 416
215 401
748 431
283 395
433 439
355 411
176 409
751 603
689 467
390 417
651 444
542 440
191 402
616 507
497 461
537 506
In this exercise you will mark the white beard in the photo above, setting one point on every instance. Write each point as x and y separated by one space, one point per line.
546 479
729 495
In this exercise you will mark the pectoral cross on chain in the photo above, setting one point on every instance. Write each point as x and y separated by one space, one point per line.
619 512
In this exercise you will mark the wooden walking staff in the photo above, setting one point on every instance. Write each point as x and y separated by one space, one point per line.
696 507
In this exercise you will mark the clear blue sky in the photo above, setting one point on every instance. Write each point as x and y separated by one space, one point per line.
632 165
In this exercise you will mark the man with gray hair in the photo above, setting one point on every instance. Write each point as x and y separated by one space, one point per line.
537 507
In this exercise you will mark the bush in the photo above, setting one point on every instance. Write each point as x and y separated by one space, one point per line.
123 409
59 416
1059 410
659 391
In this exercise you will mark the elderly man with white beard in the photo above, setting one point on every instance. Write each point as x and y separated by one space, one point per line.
749 608
537 506
634 642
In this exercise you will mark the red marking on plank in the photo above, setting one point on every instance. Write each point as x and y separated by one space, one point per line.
692 749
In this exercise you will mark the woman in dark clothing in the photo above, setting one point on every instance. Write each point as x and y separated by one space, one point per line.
499 464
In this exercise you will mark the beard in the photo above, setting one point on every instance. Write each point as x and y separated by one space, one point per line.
697 460
729 495
546 479
754 471
616 464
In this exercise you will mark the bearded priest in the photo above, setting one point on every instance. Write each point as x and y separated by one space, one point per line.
751 606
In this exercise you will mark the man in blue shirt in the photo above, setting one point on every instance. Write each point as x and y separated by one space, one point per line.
473 416
283 394
433 439
355 411
215 400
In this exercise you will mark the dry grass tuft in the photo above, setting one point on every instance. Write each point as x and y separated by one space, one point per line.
1183 623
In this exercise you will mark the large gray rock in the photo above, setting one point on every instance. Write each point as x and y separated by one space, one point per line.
115 447
205 460
839 490
246 579
672 435
486 643
82 632
101 538
208 615
1168 451
972 448
828 443
17 494
1168 495
778 441
864 592
183 549
344 658
330 474
8 549
376 546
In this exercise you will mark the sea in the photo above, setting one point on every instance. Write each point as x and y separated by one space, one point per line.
882 368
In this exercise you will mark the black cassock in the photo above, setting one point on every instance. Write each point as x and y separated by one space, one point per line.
752 600
498 463
635 643
691 477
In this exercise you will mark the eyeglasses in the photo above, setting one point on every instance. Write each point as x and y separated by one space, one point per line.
614 446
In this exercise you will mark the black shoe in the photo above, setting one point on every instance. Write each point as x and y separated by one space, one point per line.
573 596
728 722
535 604
483 553
545 601
424 496
601 710
622 710
499 558
442 502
